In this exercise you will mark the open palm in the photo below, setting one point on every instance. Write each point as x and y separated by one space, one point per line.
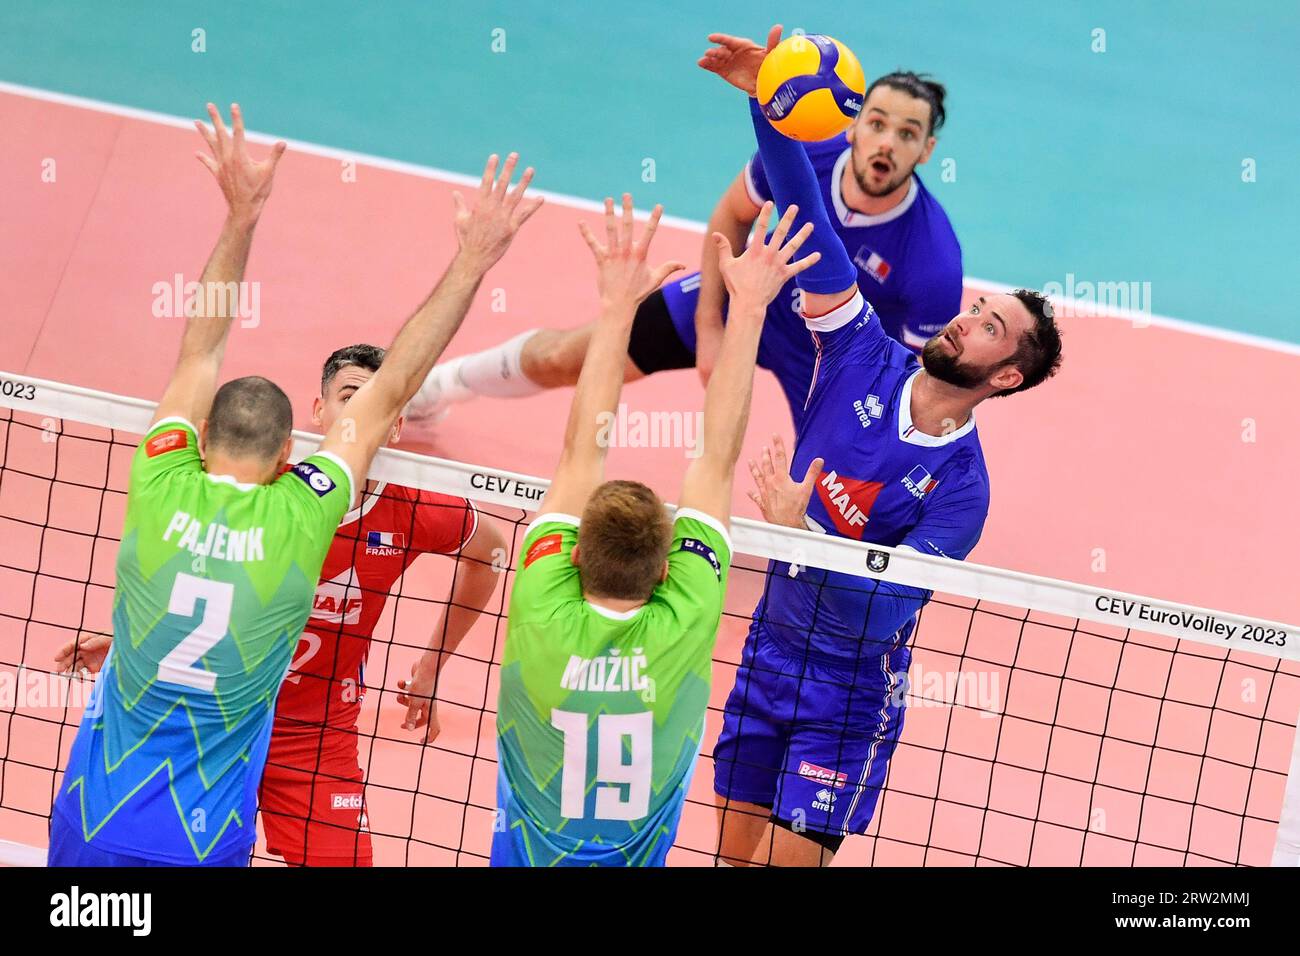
737 59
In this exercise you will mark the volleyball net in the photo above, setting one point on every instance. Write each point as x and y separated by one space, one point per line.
1047 722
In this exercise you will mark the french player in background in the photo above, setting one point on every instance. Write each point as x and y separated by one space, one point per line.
889 453
897 234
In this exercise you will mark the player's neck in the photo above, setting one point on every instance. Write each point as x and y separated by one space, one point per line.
859 201
939 408
246 471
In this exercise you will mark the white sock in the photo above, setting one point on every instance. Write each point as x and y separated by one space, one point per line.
495 372
498 372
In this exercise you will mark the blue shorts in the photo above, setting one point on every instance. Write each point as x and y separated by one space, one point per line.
69 848
810 739
785 349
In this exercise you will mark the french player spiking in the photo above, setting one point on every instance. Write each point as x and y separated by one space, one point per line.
888 453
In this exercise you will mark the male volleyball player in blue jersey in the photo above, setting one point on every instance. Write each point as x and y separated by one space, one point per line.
896 233
220 553
889 445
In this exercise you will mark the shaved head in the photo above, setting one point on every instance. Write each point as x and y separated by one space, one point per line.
251 417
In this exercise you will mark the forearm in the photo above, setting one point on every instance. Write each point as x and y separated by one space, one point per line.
427 332
475 583
216 304
727 399
599 386
793 182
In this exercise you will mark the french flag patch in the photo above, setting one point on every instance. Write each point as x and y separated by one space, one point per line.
872 264
385 539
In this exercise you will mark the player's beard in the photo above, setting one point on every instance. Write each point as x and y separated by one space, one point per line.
946 368
863 172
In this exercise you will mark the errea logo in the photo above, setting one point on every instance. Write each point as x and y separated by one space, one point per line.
868 409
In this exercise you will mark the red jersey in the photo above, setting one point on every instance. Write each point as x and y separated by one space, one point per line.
374 544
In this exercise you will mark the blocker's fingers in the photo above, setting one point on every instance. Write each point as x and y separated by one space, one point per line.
209 137
807 262
596 248
237 123
793 244
626 239
611 225
764 217
489 176
218 127
458 201
207 161
769 467
507 173
783 227
643 244
517 193
525 211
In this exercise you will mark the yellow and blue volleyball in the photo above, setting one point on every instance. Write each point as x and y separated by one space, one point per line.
811 87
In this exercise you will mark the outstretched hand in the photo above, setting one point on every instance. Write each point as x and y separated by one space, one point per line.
737 59
623 276
782 499
486 231
758 274
246 184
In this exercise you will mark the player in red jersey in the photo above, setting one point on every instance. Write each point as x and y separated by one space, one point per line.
312 796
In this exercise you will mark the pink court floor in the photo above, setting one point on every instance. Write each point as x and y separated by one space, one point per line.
1158 462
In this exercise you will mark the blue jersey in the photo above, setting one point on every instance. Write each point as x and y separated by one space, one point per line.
883 481
908 259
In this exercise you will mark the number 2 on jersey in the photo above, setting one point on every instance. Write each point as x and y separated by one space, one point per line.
217 596
611 769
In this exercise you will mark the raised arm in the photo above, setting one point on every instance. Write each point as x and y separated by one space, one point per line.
789 174
753 279
483 233
733 218
246 185
624 281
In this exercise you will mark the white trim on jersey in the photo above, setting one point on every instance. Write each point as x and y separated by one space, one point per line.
912 435
179 419
551 516
851 217
230 480
837 317
612 614
366 505
708 519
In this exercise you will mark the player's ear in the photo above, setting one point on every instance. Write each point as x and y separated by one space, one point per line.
929 148
395 433
203 437
573 557
285 451
663 572
1008 376
317 406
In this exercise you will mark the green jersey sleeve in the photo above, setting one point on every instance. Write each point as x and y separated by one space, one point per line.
699 560
169 451
546 575
318 493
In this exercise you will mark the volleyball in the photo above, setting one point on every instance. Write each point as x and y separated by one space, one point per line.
811 87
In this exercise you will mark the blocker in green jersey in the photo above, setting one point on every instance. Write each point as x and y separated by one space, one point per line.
606 670
222 549
623 694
